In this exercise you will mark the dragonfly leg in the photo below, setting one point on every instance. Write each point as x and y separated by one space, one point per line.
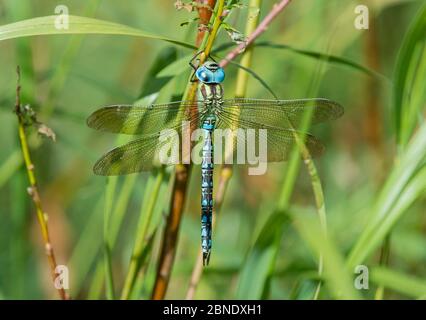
195 66
195 58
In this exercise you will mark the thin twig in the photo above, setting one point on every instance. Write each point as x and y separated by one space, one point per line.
276 9
182 174
33 190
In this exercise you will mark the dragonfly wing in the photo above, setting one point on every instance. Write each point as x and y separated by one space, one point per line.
282 113
271 144
134 119
141 155
147 152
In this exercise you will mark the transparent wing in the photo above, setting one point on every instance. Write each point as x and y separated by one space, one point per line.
134 119
135 156
145 153
273 143
283 113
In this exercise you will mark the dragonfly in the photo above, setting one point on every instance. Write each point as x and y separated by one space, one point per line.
208 112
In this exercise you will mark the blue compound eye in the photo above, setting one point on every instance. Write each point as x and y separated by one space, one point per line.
219 75
204 75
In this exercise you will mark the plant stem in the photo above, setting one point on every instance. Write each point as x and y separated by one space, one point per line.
205 9
34 193
293 169
109 198
319 203
215 28
276 9
182 173
226 170
384 260
141 238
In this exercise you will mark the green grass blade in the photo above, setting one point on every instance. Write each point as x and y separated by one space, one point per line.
77 25
10 166
140 251
120 208
402 283
109 200
337 277
59 77
405 79
405 184
110 294
261 260
325 57
86 249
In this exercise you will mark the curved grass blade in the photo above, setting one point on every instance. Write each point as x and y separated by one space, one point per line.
315 55
260 263
77 25
325 57
337 277
256 76
410 76
9 166
405 184
402 283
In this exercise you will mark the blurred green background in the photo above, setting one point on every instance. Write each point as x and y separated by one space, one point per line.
370 178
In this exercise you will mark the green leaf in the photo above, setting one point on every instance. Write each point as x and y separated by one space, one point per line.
336 275
410 76
404 185
324 57
153 82
9 166
402 283
260 262
77 25
175 68
255 76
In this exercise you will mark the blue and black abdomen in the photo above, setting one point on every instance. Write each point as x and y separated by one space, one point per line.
207 189
212 95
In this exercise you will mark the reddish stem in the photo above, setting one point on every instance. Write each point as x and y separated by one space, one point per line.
276 9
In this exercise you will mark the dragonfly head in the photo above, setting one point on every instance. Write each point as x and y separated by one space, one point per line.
210 72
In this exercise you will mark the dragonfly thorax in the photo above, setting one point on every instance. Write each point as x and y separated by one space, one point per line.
211 98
